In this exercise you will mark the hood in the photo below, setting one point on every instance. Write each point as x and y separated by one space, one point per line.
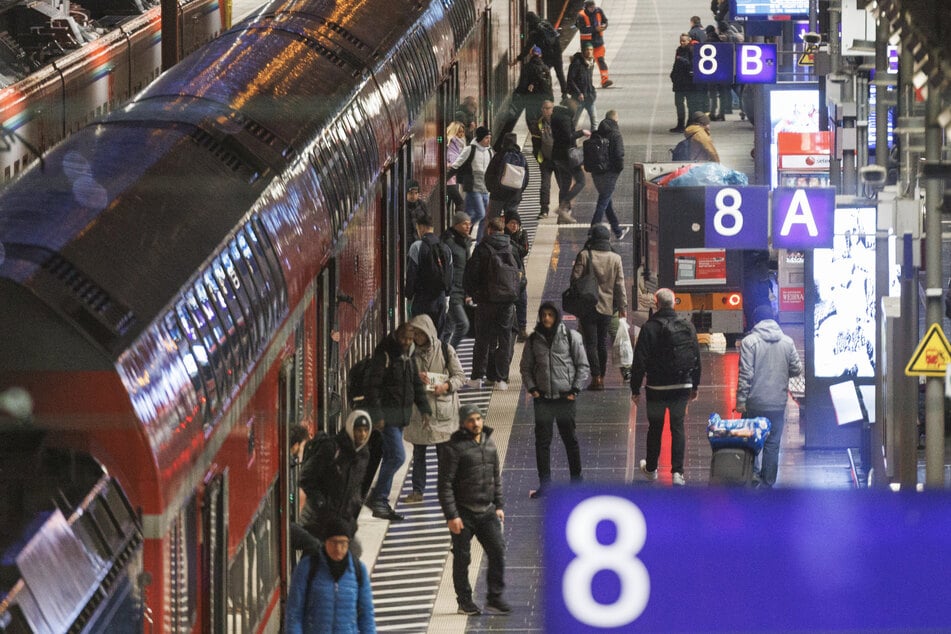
497 240
348 426
425 324
608 127
768 330
693 130
579 56
548 306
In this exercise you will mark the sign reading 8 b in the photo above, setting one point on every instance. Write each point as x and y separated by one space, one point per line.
592 557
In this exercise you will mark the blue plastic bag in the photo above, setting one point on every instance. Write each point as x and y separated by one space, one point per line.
749 433
704 174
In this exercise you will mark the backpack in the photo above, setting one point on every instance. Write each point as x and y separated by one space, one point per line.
357 380
597 154
550 41
679 342
682 151
434 266
503 276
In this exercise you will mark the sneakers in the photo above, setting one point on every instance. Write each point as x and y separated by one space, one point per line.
650 475
500 385
678 480
384 511
474 384
607 83
623 234
497 606
541 215
522 336
565 218
413 498
468 607
597 384
536 493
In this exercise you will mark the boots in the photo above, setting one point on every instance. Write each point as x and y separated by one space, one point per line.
678 128
597 384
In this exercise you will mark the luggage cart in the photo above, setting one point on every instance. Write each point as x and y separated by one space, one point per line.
735 443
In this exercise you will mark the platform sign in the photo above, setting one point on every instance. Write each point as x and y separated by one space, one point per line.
932 356
803 218
713 63
703 559
756 63
737 217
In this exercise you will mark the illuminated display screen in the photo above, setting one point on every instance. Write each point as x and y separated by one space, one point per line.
790 111
771 7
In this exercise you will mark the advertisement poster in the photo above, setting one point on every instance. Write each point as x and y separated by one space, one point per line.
699 266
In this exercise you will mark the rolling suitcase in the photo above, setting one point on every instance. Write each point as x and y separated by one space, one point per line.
735 443
732 466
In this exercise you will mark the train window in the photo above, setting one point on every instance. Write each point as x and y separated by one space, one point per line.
247 293
262 288
229 339
189 363
201 357
324 162
277 273
212 335
226 280
270 270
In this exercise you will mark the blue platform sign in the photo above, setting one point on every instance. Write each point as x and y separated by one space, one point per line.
803 218
623 559
736 217
713 63
756 63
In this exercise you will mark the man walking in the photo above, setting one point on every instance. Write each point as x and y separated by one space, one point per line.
606 181
591 24
493 278
503 196
542 146
470 494
768 358
564 136
666 352
470 165
554 370
428 274
534 87
393 385
457 239
543 35
581 85
612 297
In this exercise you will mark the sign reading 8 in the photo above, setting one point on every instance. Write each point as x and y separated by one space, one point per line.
591 557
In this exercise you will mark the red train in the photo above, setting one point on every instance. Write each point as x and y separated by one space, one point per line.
184 279
46 97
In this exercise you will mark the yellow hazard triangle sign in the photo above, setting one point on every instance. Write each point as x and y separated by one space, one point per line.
932 354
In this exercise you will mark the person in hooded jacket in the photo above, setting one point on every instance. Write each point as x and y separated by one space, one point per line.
554 370
768 358
392 387
331 479
456 237
581 84
698 131
612 297
503 199
606 182
441 371
328 593
470 167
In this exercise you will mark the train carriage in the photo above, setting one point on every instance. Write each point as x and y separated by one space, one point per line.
188 275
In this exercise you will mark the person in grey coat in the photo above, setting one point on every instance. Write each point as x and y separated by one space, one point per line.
767 359
554 370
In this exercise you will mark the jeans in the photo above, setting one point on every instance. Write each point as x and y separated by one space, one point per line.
476 203
547 169
521 309
681 103
659 402
487 528
564 176
491 354
393 458
770 454
420 467
457 323
586 106
605 184
594 331
548 412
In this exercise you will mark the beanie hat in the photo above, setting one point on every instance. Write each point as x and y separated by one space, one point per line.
513 215
459 217
412 184
481 132
536 51
336 526
466 411
763 311
701 118
599 232
362 420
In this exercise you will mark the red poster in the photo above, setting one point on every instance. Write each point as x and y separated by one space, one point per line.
699 266
792 298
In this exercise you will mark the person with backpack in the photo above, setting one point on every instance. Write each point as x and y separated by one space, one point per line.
470 168
697 145
505 168
533 88
392 385
554 369
668 354
441 371
581 85
331 475
605 263
428 274
543 35
330 590
493 278
606 150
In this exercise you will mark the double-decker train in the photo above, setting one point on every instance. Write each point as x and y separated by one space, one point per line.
182 281
62 65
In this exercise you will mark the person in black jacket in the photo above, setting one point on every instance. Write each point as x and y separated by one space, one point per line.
666 389
564 135
503 199
606 182
543 35
456 237
534 87
470 494
681 78
331 479
518 238
581 84
423 288
393 385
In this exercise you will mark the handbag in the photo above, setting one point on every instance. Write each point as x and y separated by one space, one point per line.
513 176
581 296
575 157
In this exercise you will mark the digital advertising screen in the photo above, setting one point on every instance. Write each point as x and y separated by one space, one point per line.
790 111
770 8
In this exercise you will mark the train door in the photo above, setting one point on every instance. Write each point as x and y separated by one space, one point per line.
327 349
288 415
448 104
395 232
215 552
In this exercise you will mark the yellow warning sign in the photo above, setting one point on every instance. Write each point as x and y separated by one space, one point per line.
932 354
808 57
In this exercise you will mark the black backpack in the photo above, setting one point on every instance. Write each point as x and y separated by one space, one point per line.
357 381
503 276
597 154
682 151
679 347
434 268
550 40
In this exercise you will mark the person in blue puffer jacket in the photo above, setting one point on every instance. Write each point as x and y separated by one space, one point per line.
330 590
